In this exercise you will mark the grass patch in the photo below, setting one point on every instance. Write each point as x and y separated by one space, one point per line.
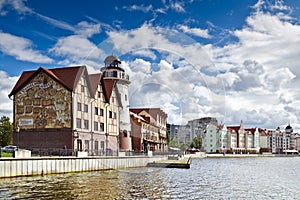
5 154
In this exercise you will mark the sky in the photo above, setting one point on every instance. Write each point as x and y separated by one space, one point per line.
230 59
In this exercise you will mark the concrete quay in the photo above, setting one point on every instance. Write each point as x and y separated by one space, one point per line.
173 162
17 167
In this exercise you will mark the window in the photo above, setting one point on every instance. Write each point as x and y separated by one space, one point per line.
96 145
99 94
96 126
115 115
125 97
101 112
101 126
86 124
86 108
96 111
79 106
102 145
86 145
78 123
82 88
110 114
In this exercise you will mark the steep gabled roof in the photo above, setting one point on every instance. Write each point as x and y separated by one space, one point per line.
95 80
68 77
108 85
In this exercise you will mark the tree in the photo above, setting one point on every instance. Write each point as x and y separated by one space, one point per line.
6 129
168 138
196 142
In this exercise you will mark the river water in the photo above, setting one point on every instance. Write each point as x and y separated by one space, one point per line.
209 178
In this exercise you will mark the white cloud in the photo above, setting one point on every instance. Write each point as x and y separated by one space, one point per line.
54 22
86 29
76 49
6 85
177 6
255 72
139 65
17 5
21 49
142 8
260 70
195 31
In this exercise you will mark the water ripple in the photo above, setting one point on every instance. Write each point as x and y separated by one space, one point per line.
227 178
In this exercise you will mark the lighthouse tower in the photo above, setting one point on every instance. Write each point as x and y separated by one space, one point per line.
113 71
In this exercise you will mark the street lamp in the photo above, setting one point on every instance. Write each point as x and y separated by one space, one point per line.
18 131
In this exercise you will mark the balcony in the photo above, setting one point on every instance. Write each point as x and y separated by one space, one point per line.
115 74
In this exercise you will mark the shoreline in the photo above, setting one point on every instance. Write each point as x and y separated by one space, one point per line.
249 155
203 155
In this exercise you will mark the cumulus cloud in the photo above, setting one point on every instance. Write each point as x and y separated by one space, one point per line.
76 49
261 69
246 80
21 48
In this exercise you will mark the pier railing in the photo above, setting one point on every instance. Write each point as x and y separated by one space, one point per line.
108 152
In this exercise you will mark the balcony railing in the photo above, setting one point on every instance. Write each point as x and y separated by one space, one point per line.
115 74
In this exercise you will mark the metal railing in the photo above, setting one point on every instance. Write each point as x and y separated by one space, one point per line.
109 152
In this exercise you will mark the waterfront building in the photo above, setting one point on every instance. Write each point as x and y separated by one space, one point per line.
115 77
297 138
149 126
264 141
233 140
224 139
244 140
252 140
277 141
211 138
66 108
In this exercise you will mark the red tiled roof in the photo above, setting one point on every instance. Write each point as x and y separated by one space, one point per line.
68 77
252 130
109 85
95 80
235 128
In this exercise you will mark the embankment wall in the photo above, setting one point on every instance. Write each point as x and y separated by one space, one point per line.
14 167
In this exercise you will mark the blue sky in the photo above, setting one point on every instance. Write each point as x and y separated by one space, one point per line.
230 59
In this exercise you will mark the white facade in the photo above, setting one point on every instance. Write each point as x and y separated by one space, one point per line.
113 72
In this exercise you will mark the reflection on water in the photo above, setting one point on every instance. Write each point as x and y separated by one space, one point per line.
228 178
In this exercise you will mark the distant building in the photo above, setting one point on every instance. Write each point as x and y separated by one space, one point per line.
211 138
181 133
197 126
281 141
